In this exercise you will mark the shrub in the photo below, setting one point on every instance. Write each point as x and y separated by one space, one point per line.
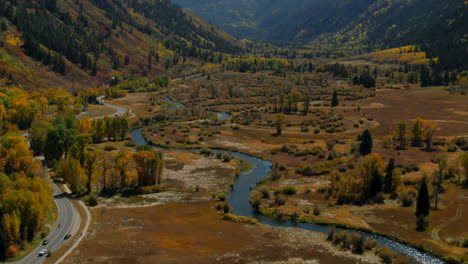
152 189
316 210
275 176
109 148
93 200
406 199
227 157
265 193
223 207
460 141
129 144
282 167
412 167
370 244
279 201
339 237
288 190
386 255
452 149
313 170
240 219
207 152
356 242
221 196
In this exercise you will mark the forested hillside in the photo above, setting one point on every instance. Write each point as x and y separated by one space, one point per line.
90 41
439 27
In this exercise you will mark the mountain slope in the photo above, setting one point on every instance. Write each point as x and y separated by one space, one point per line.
439 27
86 42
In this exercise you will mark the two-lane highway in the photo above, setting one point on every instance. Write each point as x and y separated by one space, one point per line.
67 221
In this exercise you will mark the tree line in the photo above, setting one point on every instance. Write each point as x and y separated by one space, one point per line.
25 195
68 134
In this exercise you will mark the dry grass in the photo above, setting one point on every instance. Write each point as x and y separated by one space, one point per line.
195 233
139 103
97 111
400 222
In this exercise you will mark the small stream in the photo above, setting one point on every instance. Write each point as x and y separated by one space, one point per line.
239 197
176 105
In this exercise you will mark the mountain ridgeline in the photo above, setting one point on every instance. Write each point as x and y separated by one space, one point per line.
438 27
97 37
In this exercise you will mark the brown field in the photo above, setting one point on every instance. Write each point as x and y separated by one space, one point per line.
194 233
139 103
450 111
400 222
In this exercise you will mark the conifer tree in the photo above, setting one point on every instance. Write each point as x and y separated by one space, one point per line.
423 202
334 101
365 148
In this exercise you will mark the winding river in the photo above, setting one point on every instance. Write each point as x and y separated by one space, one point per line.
238 198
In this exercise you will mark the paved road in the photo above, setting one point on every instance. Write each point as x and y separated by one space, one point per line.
69 220
119 110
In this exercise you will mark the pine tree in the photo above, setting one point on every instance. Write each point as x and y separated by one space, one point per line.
334 101
388 181
423 202
365 148
421 223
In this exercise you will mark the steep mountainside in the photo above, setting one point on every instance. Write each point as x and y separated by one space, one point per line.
68 42
439 27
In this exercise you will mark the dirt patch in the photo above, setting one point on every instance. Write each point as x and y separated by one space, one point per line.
148 200
199 171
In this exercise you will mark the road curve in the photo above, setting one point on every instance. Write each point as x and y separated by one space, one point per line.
119 110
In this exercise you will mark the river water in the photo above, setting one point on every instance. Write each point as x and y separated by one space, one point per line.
176 105
239 197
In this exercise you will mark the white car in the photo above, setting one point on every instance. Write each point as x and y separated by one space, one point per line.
43 252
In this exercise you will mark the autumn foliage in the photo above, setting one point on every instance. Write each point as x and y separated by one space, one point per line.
25 195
